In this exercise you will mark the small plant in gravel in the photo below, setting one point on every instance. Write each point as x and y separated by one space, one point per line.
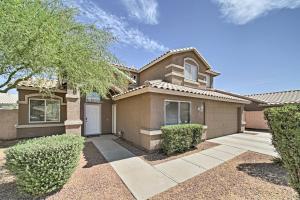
181 137
285 125
43 165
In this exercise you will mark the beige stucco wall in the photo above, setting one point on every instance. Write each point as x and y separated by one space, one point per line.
23 117
8 120
133 114
146 112
158 70
256 120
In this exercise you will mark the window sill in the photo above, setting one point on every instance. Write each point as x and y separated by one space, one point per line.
148 132
39 125
191 82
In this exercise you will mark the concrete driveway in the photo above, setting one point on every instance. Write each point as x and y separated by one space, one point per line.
249 140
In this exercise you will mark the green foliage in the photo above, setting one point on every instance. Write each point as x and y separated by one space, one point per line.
181 137
43 165
41 38
285 125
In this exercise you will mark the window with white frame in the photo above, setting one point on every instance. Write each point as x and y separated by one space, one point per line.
177 112
44 110
190 71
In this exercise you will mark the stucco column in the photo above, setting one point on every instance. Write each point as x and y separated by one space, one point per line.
73 122
242 118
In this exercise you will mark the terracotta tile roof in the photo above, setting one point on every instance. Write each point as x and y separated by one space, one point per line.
174 51
278 98
120 66
169 86
8 98
43 83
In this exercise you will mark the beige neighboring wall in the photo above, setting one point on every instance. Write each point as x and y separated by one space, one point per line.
9 118
256 120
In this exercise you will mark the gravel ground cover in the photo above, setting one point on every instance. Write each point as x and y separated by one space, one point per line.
248 176
94 178
158 157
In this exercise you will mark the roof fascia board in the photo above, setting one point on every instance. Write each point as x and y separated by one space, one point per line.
177 93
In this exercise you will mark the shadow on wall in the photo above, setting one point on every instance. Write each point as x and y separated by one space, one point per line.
270 172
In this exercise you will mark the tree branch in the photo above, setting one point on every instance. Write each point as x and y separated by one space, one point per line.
10 77
14 85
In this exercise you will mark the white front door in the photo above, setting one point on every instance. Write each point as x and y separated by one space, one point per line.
92 119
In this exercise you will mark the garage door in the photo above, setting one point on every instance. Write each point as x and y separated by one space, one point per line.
221 119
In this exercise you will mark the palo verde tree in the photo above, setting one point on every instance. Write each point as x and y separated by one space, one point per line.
41 38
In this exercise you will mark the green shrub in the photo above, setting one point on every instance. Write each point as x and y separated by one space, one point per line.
43 165
285 125
181 137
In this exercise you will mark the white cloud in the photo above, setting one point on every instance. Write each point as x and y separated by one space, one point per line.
143 10
243 11
117 26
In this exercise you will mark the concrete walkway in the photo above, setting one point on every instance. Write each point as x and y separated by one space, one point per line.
141 178
145 180
253 141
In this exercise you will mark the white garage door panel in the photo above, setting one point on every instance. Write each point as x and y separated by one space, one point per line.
221 119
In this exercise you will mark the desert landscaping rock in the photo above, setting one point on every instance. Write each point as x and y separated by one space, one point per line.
249 176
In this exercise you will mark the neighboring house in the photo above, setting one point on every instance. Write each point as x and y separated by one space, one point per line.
176 87
254 114
8 101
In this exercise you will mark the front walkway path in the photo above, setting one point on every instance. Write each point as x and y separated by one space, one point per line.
253 141
141 178
145 180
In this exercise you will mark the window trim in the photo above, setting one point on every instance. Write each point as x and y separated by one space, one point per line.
45 120
178 107
206 81
197 67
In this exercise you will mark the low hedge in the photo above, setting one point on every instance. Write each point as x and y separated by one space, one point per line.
181 137
285 126
43 165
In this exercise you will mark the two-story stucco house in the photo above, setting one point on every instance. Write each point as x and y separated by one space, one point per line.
177 87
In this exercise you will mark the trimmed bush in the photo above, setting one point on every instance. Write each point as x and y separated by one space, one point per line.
285 125
43 165
181 137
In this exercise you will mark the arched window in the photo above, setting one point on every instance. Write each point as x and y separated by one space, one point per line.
190 69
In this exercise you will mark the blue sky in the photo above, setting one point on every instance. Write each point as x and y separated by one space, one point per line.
253 43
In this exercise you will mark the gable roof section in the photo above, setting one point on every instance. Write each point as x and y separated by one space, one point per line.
176 51
278 98
158 86
8 98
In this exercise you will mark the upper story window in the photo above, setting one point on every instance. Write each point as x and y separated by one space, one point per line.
190 70
44 110
93 97
204 78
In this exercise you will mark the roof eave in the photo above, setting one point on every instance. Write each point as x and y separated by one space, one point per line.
177 93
